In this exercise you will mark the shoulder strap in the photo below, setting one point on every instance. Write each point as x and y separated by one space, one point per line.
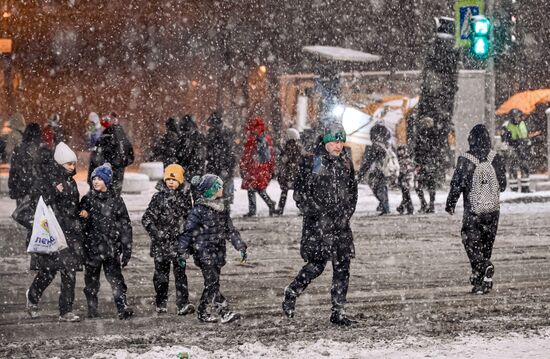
471 158
491 156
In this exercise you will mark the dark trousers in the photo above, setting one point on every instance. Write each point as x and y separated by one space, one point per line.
43 279
380 191
211 293
282 200
263 195
161 280
406 201
478 235
113 273
340 280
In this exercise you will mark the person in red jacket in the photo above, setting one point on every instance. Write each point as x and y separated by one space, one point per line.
257 164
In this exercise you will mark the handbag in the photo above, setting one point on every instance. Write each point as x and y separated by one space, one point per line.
23 213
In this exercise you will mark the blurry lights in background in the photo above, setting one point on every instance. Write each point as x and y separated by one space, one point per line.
194 83
262 69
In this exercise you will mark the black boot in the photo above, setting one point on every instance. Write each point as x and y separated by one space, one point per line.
339 317
206 317
400 209
289 302
125 313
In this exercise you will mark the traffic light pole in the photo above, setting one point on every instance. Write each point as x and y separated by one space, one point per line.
490 75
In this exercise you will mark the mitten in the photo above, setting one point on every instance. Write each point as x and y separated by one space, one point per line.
244 255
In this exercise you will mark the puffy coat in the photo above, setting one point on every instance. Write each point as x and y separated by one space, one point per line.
25 163
207 228
326 192
65 207
289 164
258 159
191 152
107 229
165 218
220 152
114 147
166 149
371 165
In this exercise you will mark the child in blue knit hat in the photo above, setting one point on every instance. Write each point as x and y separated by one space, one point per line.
207 228
107 241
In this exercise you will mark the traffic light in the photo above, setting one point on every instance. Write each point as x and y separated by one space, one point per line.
480 44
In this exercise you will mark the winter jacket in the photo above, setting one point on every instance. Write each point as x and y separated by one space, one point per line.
289 164
114 147
207 228
166 149
191 151
14 138
220 152
25 164
165 218
480 147
65 207
326 193
371 165
258 159
107 229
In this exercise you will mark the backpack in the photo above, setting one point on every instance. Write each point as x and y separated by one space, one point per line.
390 164
485 193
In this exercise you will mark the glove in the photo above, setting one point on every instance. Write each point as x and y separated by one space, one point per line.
244 255
450 210
126 255
182 261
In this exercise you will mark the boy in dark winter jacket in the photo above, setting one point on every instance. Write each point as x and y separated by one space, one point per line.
326 192
289 165
405 181
164 220
108 241
207 228
480 176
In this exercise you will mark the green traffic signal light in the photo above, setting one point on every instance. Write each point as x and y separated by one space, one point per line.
480 47
480 44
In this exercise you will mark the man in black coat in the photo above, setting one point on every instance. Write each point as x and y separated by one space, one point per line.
220 155
326 193
113 147
166 149
24 165
481 204
191 151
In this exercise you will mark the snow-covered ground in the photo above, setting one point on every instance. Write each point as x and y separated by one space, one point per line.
405 310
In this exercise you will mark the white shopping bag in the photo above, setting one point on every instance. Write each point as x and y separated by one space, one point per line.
47 236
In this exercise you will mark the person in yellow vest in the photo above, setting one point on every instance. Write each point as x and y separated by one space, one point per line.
516 135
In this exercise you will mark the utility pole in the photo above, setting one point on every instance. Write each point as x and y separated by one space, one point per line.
490 73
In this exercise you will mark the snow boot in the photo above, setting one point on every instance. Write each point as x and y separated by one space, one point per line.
161 309
230 316
92 312
32 309
410 208
125 313
431 208
206 317
289 302
401 208
186 309
249 214
339 317
69 317
475 280
487 283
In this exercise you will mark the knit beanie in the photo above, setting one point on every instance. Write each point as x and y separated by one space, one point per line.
207 185
333 131
105 172
175 172
63 154
292 134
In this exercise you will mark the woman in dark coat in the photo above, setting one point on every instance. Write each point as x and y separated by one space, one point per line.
289 165
59 190
24 167
257 164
